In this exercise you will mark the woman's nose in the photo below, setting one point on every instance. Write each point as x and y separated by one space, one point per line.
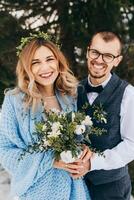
45 64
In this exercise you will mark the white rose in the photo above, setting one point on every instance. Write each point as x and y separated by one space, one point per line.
87 121
80 129
66 156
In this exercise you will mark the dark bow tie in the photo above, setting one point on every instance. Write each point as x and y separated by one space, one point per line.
90 88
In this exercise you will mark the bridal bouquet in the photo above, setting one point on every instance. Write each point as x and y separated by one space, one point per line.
65 133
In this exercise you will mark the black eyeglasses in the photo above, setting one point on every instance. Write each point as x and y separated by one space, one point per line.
106 57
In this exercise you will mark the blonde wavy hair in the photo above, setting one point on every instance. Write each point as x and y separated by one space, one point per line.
66 82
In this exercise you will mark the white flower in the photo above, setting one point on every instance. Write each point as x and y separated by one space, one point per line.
44 127
41 148
66 156
54 133
87 121
73 116
56 126
45 142
58 133
104 120
80 129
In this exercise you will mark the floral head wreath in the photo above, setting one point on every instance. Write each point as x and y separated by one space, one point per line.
39 35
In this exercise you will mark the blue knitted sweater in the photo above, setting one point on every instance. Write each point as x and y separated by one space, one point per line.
33 177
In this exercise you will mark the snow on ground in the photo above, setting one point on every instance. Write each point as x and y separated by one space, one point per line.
5 186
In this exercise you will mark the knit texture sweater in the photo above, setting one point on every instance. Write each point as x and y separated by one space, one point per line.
33 177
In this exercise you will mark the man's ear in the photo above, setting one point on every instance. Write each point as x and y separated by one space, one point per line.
87 53
118 60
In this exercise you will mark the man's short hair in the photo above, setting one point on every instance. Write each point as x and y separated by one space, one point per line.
108 36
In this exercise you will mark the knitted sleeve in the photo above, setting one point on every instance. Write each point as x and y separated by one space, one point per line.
25 172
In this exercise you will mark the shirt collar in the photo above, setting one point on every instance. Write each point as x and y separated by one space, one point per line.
103 83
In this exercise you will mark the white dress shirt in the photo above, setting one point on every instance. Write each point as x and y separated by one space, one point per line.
123 153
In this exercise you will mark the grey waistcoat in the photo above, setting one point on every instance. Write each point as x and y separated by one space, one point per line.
110 98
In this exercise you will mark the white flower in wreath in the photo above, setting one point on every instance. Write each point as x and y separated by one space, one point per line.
80 129
87 121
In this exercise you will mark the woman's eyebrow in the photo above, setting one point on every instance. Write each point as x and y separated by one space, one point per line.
35 59
50 56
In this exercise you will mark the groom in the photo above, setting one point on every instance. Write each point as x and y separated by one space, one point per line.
107 176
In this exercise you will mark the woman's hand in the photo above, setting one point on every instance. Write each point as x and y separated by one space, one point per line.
69 167
78 168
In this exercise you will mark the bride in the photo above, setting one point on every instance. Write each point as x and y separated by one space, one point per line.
43 76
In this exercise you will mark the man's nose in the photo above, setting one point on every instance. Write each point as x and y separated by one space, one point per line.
99 59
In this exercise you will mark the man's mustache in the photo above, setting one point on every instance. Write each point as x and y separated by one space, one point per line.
98 63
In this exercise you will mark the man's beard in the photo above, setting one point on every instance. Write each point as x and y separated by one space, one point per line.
96 76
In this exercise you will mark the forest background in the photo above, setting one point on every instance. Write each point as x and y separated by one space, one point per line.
73 22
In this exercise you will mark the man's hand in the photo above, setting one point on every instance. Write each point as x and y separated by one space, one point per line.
85 163
82 171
